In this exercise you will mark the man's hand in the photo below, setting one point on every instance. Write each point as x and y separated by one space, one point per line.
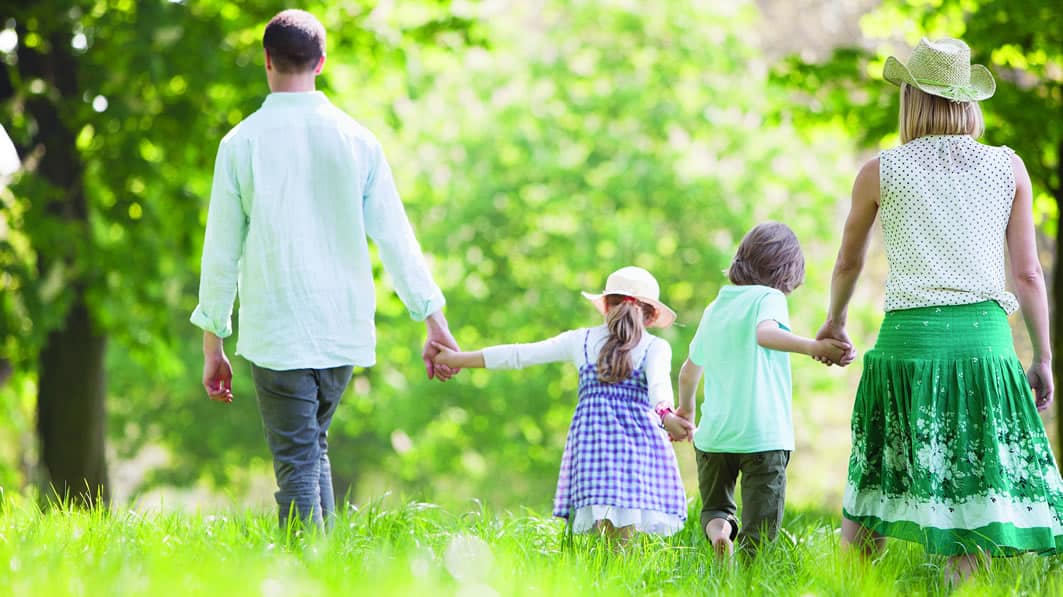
437 332
217 372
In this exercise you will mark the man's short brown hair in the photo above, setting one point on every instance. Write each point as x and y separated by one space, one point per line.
769 255
295 40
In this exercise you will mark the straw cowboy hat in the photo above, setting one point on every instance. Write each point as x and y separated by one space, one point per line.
638 284
943 68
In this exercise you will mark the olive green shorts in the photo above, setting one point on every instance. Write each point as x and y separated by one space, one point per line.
763 491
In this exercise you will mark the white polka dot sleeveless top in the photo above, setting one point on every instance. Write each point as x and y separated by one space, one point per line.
945 205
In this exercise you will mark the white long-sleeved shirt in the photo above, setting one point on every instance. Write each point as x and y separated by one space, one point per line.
568 346
298 186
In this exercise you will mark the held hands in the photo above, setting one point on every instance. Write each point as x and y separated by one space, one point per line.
679 427
830 351
833 346
1040 377
438 337
445 356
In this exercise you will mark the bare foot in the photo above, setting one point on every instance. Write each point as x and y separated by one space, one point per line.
616 536
959 569
856 538
719 533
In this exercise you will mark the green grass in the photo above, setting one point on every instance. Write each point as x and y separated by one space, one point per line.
422 550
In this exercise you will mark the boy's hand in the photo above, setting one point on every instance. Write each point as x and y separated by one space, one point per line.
831 351
679 429
831 330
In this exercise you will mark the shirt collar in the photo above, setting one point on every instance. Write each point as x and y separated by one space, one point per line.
294 98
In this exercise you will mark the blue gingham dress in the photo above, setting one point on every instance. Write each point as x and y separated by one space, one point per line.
616 455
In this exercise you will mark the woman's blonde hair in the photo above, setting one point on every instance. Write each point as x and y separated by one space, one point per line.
923 114
626 319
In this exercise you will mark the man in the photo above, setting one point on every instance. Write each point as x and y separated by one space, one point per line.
297 187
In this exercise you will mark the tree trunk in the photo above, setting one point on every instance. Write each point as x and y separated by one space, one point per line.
70 404
71 414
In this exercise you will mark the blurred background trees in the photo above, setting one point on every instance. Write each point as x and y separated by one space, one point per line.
538 146
118 108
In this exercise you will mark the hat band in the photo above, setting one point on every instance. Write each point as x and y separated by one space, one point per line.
959 92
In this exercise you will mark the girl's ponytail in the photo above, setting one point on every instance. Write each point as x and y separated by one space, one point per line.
626 319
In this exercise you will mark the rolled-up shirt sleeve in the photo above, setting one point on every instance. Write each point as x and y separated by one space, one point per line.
518 356
386 223
659 373
222 247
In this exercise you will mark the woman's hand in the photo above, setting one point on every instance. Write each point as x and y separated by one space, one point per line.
1040 377
680 429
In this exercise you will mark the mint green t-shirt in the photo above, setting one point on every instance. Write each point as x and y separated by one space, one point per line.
747 387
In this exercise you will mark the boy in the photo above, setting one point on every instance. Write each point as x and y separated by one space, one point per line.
741 345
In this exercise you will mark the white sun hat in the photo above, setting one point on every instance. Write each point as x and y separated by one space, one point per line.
638 284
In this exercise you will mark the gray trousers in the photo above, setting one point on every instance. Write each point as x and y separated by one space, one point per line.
763 491
297 408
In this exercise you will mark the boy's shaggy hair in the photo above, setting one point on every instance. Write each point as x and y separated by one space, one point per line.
769 255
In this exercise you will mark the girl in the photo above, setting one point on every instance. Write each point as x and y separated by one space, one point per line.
948 450
618 472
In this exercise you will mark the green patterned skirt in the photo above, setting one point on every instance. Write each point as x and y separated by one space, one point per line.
948 448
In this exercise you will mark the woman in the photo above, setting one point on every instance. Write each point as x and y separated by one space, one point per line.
948 449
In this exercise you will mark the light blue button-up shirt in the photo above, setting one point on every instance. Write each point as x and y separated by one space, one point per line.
298 186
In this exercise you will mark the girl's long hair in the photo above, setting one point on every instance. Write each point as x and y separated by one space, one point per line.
626 319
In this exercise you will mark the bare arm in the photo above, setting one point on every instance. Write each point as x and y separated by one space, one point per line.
689 376
773 337
852 254
1029 282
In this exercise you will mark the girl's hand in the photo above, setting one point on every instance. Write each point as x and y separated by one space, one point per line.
831 351
445 355
679 429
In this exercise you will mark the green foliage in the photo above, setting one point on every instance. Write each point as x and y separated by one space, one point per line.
537 152
157 85
421 549
596 138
